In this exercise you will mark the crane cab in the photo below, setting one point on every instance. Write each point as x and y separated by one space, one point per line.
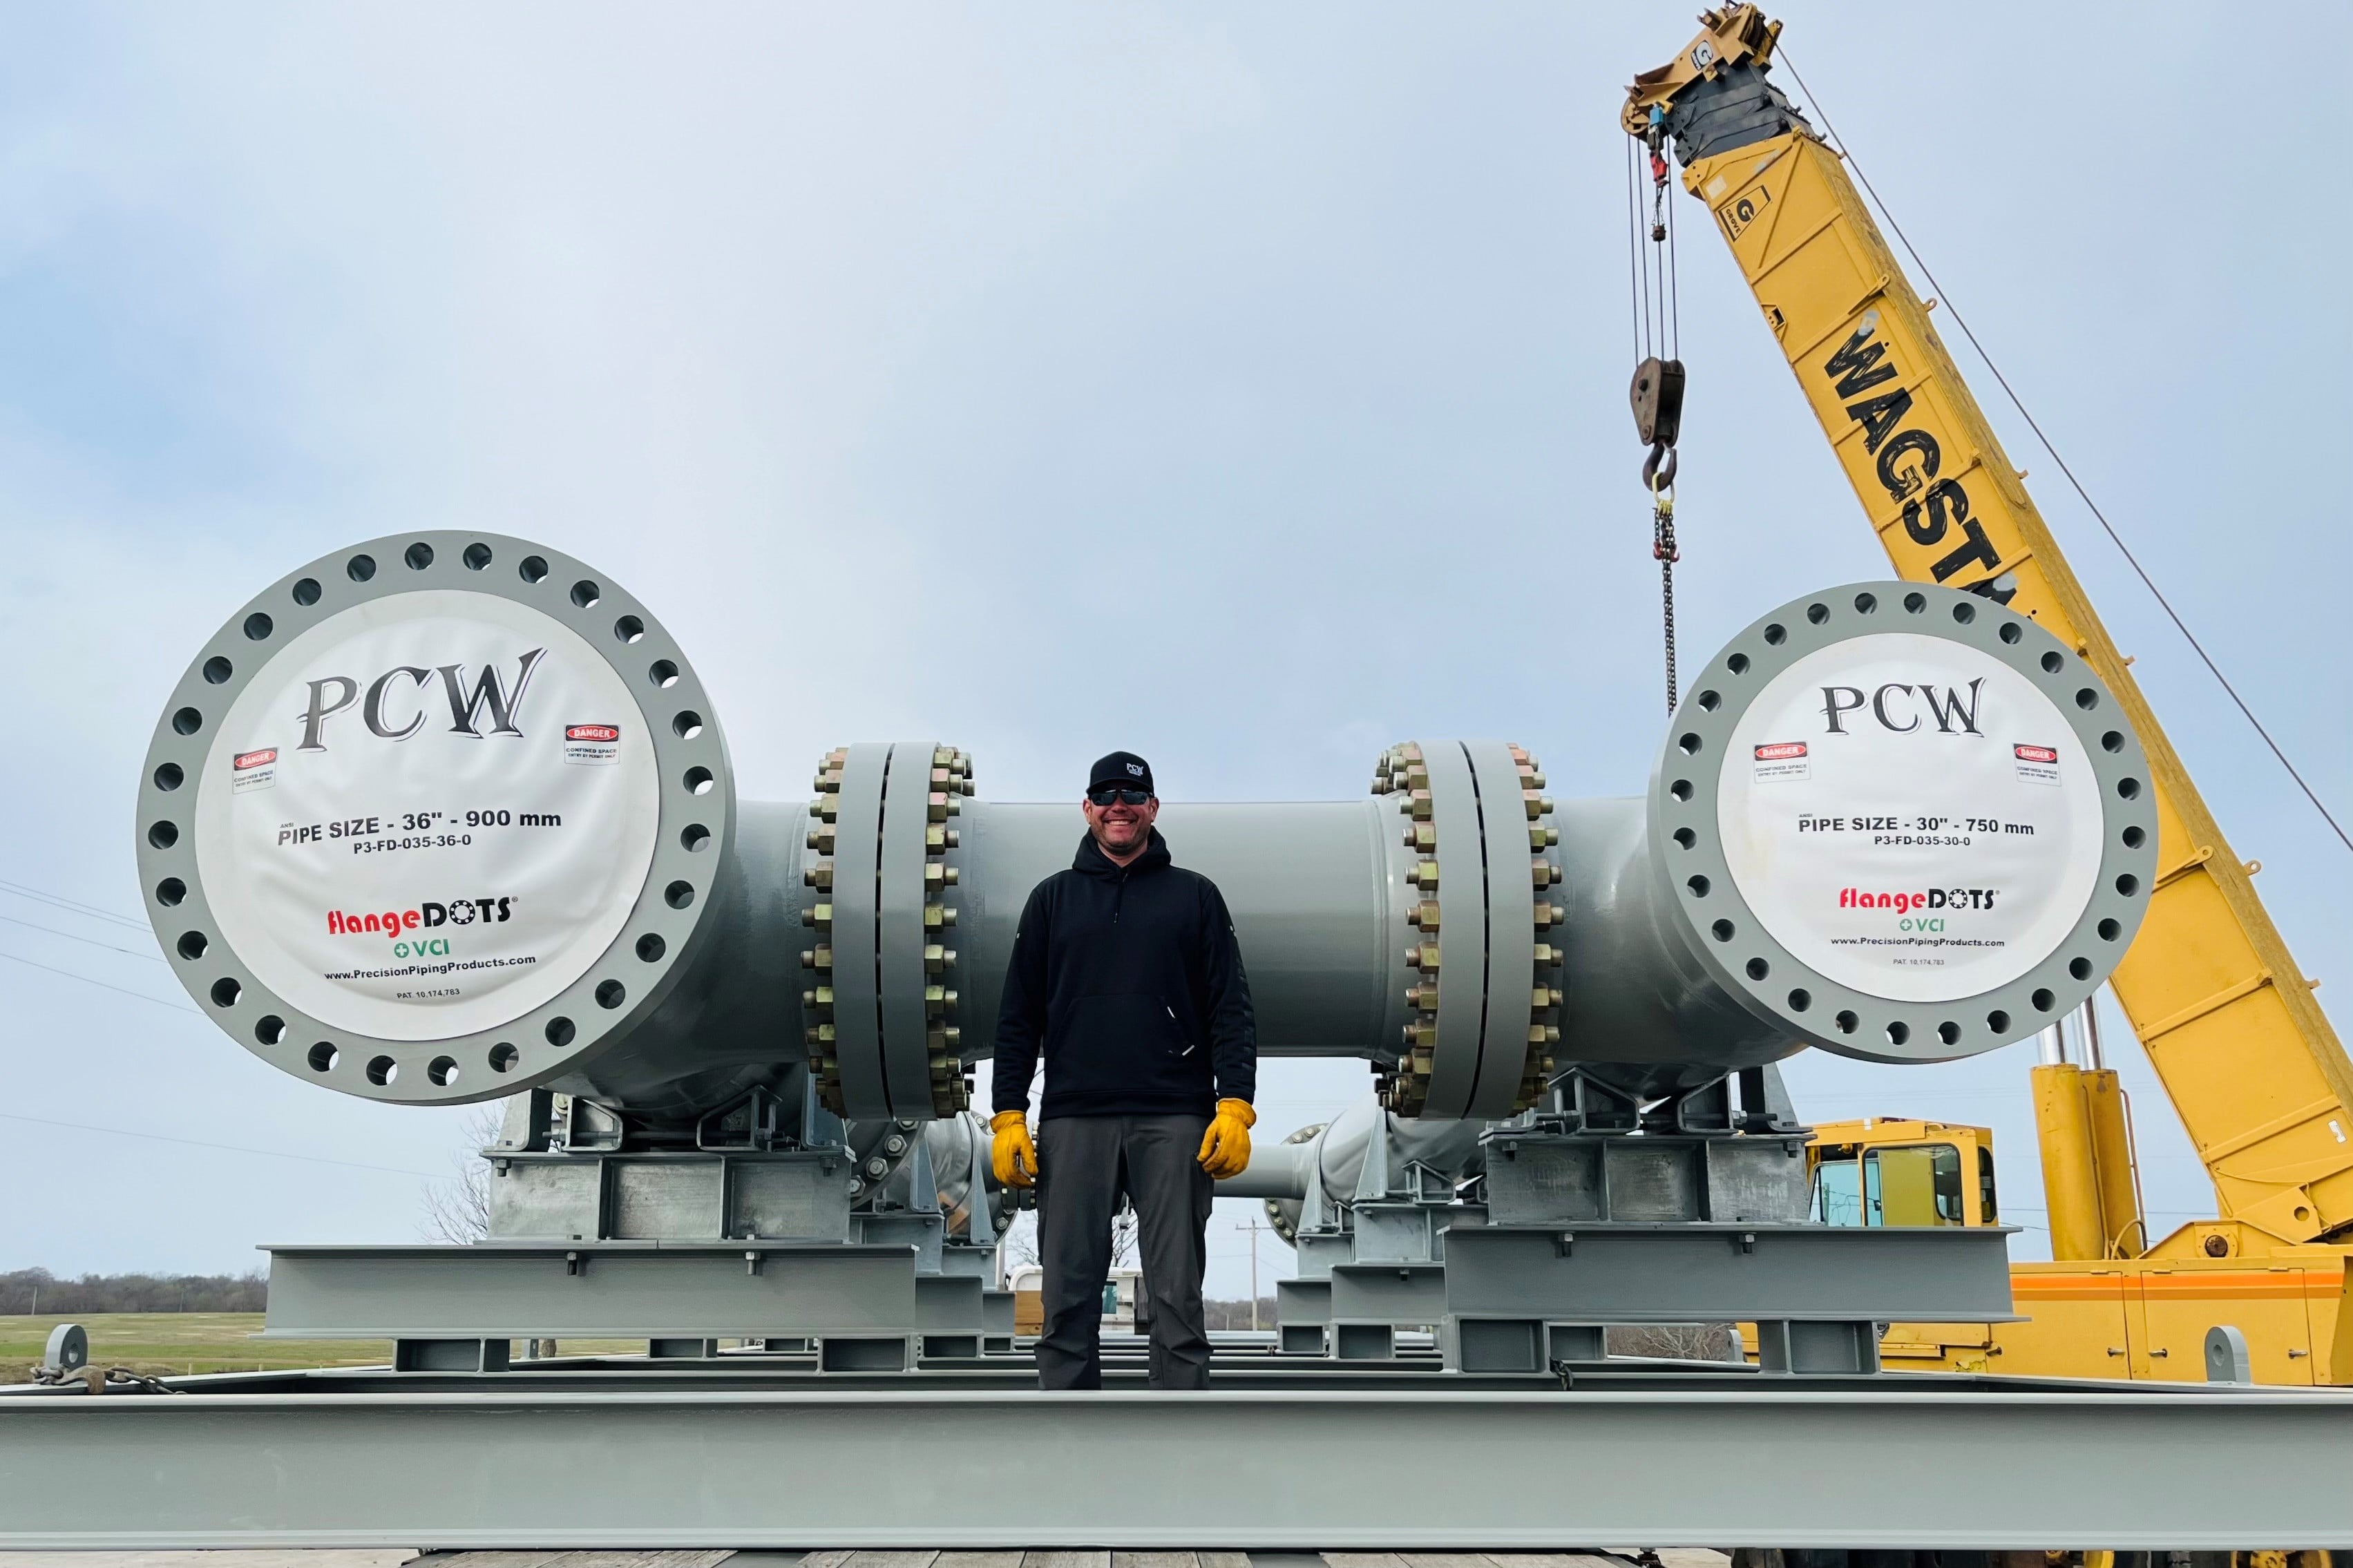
1897 1171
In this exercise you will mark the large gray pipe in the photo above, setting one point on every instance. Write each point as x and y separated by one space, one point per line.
449 816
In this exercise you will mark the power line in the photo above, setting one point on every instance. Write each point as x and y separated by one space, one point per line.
229 1148
86 980
126 951
2081 493
75 905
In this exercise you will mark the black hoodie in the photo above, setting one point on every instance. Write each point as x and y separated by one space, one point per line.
1130 978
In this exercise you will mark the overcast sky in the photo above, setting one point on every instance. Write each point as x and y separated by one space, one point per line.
1242 385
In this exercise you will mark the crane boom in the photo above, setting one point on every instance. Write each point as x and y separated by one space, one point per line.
2259 1078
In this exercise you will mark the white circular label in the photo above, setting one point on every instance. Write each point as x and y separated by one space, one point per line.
427 815
1910 818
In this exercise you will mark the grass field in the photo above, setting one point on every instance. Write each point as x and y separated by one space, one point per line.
182 1343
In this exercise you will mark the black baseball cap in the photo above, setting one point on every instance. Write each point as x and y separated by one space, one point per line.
1121 770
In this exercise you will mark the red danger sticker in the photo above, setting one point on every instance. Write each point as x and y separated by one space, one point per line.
1781 751
592 732
245 760
2035 753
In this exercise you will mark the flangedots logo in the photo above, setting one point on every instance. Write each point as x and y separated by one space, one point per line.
1904 903
425 916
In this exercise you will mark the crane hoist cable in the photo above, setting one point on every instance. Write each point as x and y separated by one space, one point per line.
1657 390
2082 495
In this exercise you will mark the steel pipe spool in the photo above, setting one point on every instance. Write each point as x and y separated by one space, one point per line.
449 816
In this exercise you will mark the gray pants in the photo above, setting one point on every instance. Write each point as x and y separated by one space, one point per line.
1084 1164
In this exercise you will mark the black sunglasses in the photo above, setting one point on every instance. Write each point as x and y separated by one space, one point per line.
1125 797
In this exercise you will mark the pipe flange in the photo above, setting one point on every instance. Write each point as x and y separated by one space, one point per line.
1904 823
1403 773
1478 1042
883 1036
355 809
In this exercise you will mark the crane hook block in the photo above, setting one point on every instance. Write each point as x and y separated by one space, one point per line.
1658 398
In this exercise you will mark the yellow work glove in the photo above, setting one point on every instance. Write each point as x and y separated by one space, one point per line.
1225 1147
1011 1154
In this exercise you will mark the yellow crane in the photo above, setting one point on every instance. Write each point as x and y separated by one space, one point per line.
2260 1079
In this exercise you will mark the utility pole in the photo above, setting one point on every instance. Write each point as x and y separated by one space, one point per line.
1253 1227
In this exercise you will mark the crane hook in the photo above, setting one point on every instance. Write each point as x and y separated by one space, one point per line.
1659 468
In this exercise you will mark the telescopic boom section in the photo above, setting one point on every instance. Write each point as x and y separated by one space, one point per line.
2258 1077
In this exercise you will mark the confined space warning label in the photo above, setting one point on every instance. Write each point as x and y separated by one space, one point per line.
1946 836
592 746
253 770
1782 762
406 830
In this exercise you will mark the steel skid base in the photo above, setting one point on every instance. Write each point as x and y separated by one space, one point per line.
757 1451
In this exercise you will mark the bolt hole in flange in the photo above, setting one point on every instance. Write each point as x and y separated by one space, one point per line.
323 1057
382 1072
443 1071
164 834
478 556
418 555
503 1058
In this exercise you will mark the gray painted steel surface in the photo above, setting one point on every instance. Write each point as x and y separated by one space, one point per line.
1709 1273
1512 973
906 1066
858 1007
584 1289
1992 1465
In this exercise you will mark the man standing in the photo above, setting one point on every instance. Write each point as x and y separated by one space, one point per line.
1126 970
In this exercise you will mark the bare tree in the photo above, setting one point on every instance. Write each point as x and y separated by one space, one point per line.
1123 1234
1019 1246
1020 1242
1678 1342
457 1208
